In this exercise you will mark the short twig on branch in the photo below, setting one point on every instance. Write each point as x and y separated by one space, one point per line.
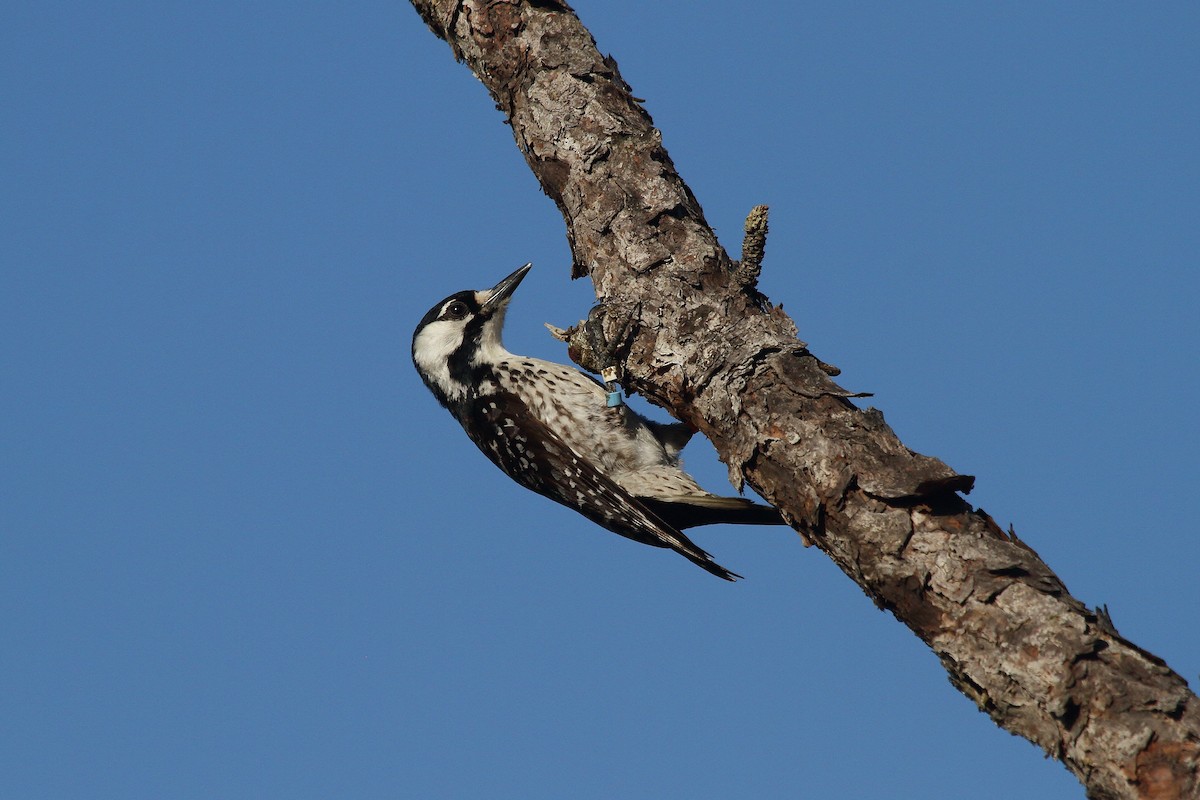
747 270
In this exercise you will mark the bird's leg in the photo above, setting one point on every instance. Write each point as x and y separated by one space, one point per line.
604 353
587 344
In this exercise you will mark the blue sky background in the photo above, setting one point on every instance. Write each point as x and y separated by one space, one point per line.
243 554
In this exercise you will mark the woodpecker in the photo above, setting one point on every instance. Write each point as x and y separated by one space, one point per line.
549 428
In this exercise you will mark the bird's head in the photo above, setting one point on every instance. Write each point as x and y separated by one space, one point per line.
460 335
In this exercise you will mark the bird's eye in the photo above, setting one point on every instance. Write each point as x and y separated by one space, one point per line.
456 310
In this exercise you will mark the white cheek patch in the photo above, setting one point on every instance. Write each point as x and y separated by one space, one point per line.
432 350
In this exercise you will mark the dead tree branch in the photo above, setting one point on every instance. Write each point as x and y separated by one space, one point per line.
708 347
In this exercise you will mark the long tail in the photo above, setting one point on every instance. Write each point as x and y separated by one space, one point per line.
688 511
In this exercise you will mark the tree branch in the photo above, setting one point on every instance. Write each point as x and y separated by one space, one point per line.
708 347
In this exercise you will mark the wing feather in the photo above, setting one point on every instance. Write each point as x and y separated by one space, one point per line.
530 453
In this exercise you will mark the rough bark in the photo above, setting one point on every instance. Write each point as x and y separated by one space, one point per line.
699 340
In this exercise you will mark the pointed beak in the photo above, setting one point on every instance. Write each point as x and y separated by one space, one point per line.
499 294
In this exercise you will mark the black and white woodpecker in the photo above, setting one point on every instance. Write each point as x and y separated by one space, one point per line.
549 428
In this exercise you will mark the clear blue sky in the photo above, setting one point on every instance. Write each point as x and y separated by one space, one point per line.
243 554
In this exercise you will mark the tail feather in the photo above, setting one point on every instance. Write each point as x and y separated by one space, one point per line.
689 511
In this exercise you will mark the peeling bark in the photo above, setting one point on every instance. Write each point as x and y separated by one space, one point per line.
709 348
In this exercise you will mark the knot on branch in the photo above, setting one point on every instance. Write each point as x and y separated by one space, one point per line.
747 270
